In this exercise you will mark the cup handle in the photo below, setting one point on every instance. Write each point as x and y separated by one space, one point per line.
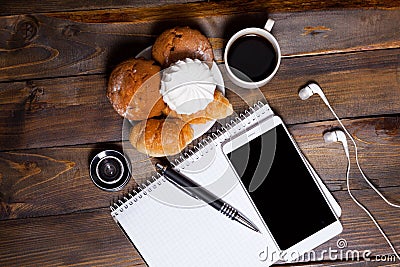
268 26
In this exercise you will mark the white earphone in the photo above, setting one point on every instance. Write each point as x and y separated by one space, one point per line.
339 136
312 88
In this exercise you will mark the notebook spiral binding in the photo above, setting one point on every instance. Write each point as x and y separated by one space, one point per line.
189 156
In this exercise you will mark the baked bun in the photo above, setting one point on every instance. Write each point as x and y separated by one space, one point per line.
134 89
179 43
219 108
159 137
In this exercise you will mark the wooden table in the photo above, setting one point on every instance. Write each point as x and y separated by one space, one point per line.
55 57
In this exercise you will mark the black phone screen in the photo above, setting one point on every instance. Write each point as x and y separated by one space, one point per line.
281 187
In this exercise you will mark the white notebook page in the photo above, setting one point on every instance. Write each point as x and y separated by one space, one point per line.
195 234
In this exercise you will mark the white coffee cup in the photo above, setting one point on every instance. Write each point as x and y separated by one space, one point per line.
264 33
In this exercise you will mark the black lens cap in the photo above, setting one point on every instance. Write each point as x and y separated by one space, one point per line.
110 170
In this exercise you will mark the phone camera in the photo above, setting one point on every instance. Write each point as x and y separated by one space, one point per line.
110 170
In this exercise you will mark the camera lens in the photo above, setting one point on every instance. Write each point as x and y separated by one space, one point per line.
110 170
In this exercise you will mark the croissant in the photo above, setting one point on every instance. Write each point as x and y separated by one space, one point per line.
161 137
219 108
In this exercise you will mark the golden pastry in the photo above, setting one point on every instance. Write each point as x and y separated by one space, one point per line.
134 89
161 137
179 43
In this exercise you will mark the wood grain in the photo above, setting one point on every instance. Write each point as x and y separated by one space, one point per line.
77 43
83 239
353 83
49 112
52 181
359 231
377 140
57 112
17 7
98 241
56 181
55 58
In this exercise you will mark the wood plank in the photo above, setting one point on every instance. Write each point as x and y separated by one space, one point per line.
74 110
52 214
378 147
51 181
76 43
83 239
17 7
353 83
336 31
58 111
56 181
98 241
359 231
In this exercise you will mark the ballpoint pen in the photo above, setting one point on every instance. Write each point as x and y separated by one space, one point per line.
195 190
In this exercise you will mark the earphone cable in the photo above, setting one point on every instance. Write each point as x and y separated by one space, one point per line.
317 89
366 210
358 164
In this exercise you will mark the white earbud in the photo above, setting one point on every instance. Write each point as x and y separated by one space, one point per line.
310 89
307 92
338 135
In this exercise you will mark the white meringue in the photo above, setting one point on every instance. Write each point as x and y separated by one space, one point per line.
188 86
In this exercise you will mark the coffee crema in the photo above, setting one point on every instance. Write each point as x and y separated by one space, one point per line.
252 58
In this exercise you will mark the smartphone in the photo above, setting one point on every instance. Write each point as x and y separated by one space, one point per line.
283 189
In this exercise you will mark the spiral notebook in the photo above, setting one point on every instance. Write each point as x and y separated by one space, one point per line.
170 228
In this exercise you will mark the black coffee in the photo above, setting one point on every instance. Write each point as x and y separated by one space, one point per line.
252 58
